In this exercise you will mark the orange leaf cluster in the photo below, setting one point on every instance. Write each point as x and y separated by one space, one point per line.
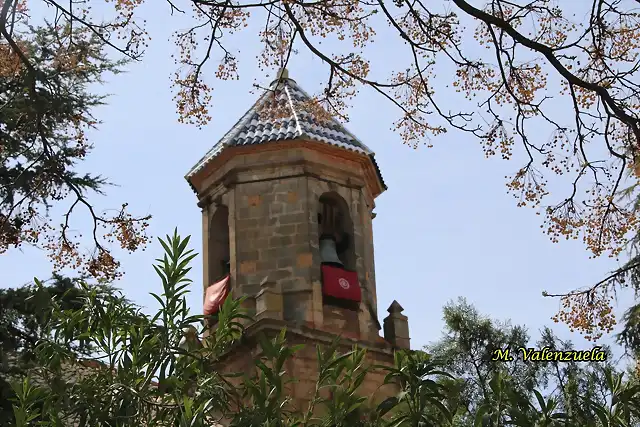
590 313
414 92
192 99
10 63
528 187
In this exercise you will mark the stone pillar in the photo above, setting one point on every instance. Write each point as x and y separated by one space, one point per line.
269 300
396 327
230 200
204 206
364 317
317 305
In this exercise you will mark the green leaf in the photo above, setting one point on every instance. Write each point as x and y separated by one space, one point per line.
166 247
541 402
387 405
480 414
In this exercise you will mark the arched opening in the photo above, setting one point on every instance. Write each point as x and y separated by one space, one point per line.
219 253
336 240
219 257
334 222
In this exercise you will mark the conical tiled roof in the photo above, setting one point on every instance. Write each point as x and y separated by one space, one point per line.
292 121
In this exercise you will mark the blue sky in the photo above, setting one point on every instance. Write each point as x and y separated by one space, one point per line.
445 228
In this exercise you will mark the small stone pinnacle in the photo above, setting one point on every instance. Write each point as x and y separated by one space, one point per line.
395 307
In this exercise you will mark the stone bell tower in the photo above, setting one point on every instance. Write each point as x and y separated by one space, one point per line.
284 178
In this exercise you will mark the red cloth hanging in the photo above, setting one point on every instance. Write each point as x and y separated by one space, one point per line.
340 283
215 295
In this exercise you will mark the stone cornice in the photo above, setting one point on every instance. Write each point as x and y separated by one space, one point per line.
330 156
273 326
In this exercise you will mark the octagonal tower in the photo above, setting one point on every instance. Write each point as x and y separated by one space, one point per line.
285 177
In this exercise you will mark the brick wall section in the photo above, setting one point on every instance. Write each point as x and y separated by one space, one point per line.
341 321
303 368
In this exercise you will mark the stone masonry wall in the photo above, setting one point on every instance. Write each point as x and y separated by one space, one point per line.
273 201
271 229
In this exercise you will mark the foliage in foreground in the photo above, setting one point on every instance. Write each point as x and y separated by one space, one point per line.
551 85
48 79
24 316
152 370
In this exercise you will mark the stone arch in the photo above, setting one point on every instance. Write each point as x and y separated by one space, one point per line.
219 249
334 218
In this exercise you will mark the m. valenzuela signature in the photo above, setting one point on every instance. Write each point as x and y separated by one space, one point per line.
547 354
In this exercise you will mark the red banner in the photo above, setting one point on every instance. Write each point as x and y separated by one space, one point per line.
215 296
340 283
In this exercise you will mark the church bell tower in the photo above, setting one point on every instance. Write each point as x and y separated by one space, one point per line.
287 199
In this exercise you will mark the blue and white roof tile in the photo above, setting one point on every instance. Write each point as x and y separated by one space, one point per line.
291 122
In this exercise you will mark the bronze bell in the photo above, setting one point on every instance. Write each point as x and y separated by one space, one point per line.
328 252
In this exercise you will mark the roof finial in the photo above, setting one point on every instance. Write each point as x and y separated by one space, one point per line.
281 45
283 73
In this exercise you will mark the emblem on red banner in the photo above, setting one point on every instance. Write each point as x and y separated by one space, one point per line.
340 283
